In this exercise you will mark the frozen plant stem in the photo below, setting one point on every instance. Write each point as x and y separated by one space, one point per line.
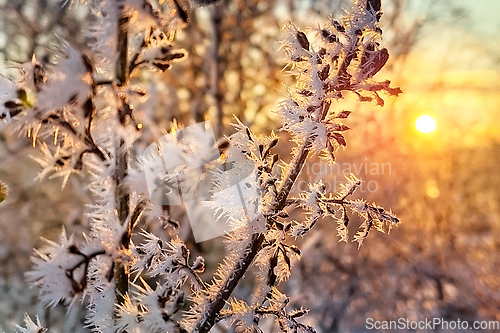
122 73
298 163
122 194
123 202
213 309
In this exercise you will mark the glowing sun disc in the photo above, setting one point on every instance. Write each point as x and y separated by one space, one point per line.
425 124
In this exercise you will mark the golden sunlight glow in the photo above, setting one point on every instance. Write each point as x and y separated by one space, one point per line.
432 189
425 124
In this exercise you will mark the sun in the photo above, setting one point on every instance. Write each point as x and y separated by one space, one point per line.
425 124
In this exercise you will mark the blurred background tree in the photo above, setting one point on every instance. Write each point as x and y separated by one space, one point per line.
442 262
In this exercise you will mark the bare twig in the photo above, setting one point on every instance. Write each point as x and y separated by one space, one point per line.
121 168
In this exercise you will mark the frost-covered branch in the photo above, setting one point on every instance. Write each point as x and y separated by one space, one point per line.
122 193
346 59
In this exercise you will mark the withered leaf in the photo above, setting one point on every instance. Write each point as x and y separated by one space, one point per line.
11 104
372 62
306 92
161 65
338 127
173 56
339 138
323 75
343 114
273 143
338 26
271 276
330 38
322 52
295 249
331 150
375 4
87 63
287 260
303 41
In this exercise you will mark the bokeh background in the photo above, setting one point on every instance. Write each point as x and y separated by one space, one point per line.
443 261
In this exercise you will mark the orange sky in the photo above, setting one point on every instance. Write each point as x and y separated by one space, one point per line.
453 74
